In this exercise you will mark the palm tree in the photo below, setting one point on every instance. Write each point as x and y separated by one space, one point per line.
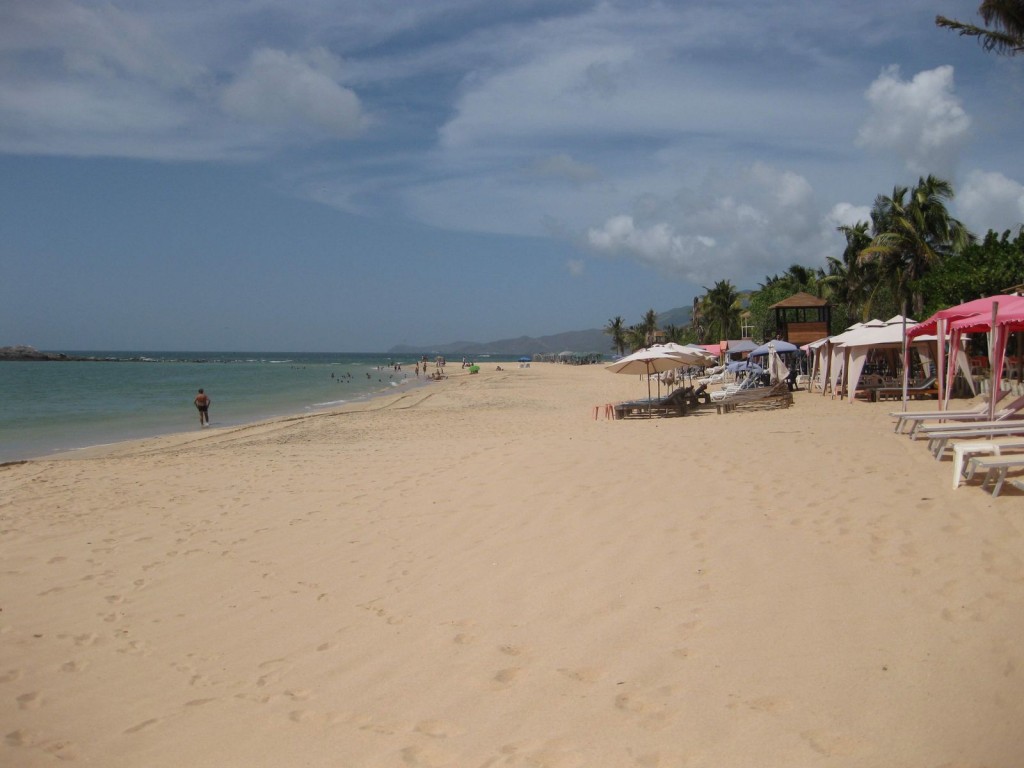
913 233
650 325
721 310
616 328
850 282
636 336
1005 30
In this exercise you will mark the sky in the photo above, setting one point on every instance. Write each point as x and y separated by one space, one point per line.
338 175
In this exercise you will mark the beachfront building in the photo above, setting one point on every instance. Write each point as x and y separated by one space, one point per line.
802 318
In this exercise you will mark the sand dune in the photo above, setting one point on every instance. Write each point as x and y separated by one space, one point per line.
479 573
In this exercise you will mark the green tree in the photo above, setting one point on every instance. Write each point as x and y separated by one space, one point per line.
636 336
995 265
679 334
913 233
616 328
850 282
650 325
720 309
1004 30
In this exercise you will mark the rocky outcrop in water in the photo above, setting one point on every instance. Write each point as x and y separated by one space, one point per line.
31 353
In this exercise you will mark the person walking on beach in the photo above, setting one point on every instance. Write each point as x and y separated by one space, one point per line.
202 402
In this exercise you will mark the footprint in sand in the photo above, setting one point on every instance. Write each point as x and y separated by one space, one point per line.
142 726
831 743
505 677
31 700
429 756
438 729
583 674
651 706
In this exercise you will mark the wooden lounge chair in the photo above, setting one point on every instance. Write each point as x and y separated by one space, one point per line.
926 388
915 418
677 403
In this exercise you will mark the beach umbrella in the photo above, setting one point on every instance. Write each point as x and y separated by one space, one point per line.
743 365
780 347
524 359
686 355
645 362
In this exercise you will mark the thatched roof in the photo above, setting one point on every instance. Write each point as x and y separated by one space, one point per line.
798 301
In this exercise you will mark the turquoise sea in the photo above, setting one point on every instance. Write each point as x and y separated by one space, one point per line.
52 406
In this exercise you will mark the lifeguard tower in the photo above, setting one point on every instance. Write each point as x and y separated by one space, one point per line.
802 318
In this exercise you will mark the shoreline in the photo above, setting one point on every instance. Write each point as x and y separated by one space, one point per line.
134 408
482 573
182 436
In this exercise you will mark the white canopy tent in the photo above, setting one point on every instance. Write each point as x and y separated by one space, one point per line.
845 354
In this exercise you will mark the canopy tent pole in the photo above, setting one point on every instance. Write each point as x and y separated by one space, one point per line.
906 359
993 354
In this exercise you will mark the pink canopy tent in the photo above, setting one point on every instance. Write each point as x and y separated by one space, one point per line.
974 314
1005 317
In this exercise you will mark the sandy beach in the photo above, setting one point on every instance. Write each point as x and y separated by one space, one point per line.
479 573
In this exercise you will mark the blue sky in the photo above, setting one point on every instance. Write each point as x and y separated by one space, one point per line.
346 176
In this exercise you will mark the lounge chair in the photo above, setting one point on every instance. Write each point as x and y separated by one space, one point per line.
964 449
996 468
915 418
940 435
721 394
1008 413
775 396
676 403
926 388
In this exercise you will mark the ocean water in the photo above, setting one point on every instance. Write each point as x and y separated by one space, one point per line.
52 406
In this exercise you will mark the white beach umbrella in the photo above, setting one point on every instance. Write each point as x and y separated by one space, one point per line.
645 362
688 355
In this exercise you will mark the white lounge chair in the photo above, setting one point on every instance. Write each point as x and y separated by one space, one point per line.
721 394
964 449
916 418
939 437
995 468
1008 413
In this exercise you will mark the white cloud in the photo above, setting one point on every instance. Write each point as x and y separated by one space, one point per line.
847 215
990 201
576 267
741 228
295 92
920 121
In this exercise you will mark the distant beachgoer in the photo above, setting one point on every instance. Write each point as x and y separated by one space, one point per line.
202 402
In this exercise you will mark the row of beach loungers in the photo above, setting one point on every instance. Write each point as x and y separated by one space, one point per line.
981 446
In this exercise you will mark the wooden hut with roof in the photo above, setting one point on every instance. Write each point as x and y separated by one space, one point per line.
802 318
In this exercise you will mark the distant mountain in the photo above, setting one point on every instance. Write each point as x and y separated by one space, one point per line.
594 340
576 341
